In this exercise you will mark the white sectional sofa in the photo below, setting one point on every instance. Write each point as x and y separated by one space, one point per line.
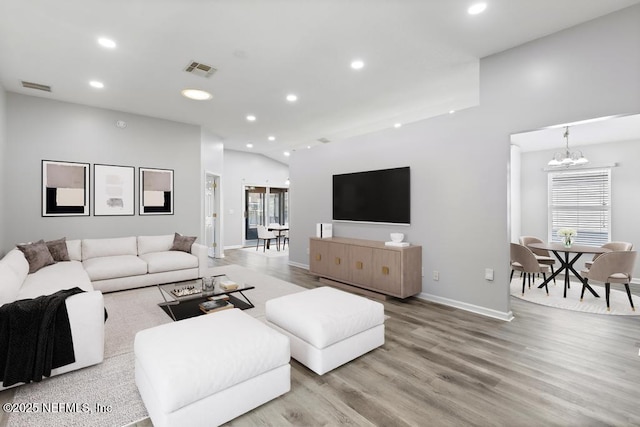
132 262
85 310
97 266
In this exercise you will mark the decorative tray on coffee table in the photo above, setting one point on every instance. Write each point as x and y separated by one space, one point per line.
186 291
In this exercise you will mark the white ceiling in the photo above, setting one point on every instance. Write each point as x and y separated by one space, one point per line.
421 59
596 131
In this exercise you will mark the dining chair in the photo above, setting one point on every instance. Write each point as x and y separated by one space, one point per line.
611 267
524 260
614 246
266 236
543 255
285 238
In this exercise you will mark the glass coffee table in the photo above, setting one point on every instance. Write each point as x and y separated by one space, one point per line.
181 299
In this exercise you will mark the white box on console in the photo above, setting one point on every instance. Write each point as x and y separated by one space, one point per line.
324 231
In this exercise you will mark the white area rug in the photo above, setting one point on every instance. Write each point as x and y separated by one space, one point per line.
270 253
618 299
112 383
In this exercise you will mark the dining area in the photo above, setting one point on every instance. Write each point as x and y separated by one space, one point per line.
274 232
567 262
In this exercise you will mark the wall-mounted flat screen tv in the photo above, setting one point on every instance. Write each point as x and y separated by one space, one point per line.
380 196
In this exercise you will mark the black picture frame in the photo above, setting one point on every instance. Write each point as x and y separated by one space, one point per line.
65 188
156 191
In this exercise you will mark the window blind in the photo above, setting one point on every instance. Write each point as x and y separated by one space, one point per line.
581 200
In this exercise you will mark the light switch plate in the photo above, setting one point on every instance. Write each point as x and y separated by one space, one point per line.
488 273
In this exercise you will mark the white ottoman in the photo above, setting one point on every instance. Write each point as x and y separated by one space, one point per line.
327 327
209 369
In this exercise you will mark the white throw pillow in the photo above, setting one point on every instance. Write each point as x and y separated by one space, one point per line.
74 247
93 248
150 244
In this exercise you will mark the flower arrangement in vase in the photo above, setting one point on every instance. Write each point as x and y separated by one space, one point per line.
567 235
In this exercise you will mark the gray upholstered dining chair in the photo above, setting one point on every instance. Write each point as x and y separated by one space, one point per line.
543 255
265 235
611 267
524 260
614 246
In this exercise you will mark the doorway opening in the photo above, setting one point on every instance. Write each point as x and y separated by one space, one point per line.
264 206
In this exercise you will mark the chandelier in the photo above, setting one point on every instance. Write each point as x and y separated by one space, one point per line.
568 158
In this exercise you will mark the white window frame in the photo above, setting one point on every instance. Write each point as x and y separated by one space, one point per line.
586 226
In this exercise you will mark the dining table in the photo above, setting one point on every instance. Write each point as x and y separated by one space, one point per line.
567 260
279 229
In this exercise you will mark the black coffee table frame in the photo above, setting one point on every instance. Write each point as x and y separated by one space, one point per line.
184 307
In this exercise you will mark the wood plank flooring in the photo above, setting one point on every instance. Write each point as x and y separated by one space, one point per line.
442 366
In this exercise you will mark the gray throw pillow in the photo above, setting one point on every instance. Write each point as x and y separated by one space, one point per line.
37 255
182 243
58 249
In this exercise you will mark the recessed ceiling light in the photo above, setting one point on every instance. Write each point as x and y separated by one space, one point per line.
397 125
286 153
105 42
452 111
96 84
308 147
271 138
251 118
292 97
249 145
357 64
476 8
197 94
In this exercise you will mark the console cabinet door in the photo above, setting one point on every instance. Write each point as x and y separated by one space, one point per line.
360 264
338 262
319 257
386 271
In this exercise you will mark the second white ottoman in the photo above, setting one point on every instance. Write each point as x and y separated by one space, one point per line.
327 327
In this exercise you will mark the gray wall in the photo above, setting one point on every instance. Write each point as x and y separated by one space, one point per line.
625 181
3 167
39 128
460 162
242 169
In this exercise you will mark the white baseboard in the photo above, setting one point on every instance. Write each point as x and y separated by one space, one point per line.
500 315
299 264
233 247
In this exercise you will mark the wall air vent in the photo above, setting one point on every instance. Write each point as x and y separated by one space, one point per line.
200 69
324 140
36 86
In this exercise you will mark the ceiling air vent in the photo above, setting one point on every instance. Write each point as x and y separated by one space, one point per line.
200 69
324 140
37 86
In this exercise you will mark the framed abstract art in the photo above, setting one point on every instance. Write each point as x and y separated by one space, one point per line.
156 191
65 188
113 190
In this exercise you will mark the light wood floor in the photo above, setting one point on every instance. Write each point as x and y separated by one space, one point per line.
446 367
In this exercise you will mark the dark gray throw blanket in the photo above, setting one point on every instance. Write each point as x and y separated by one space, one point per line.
35 337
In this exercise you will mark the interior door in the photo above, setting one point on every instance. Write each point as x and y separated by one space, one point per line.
212 227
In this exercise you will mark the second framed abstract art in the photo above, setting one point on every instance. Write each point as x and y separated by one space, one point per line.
156 191
113 190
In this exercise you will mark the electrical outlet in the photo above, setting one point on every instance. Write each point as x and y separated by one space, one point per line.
307 251
422 271
436 275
